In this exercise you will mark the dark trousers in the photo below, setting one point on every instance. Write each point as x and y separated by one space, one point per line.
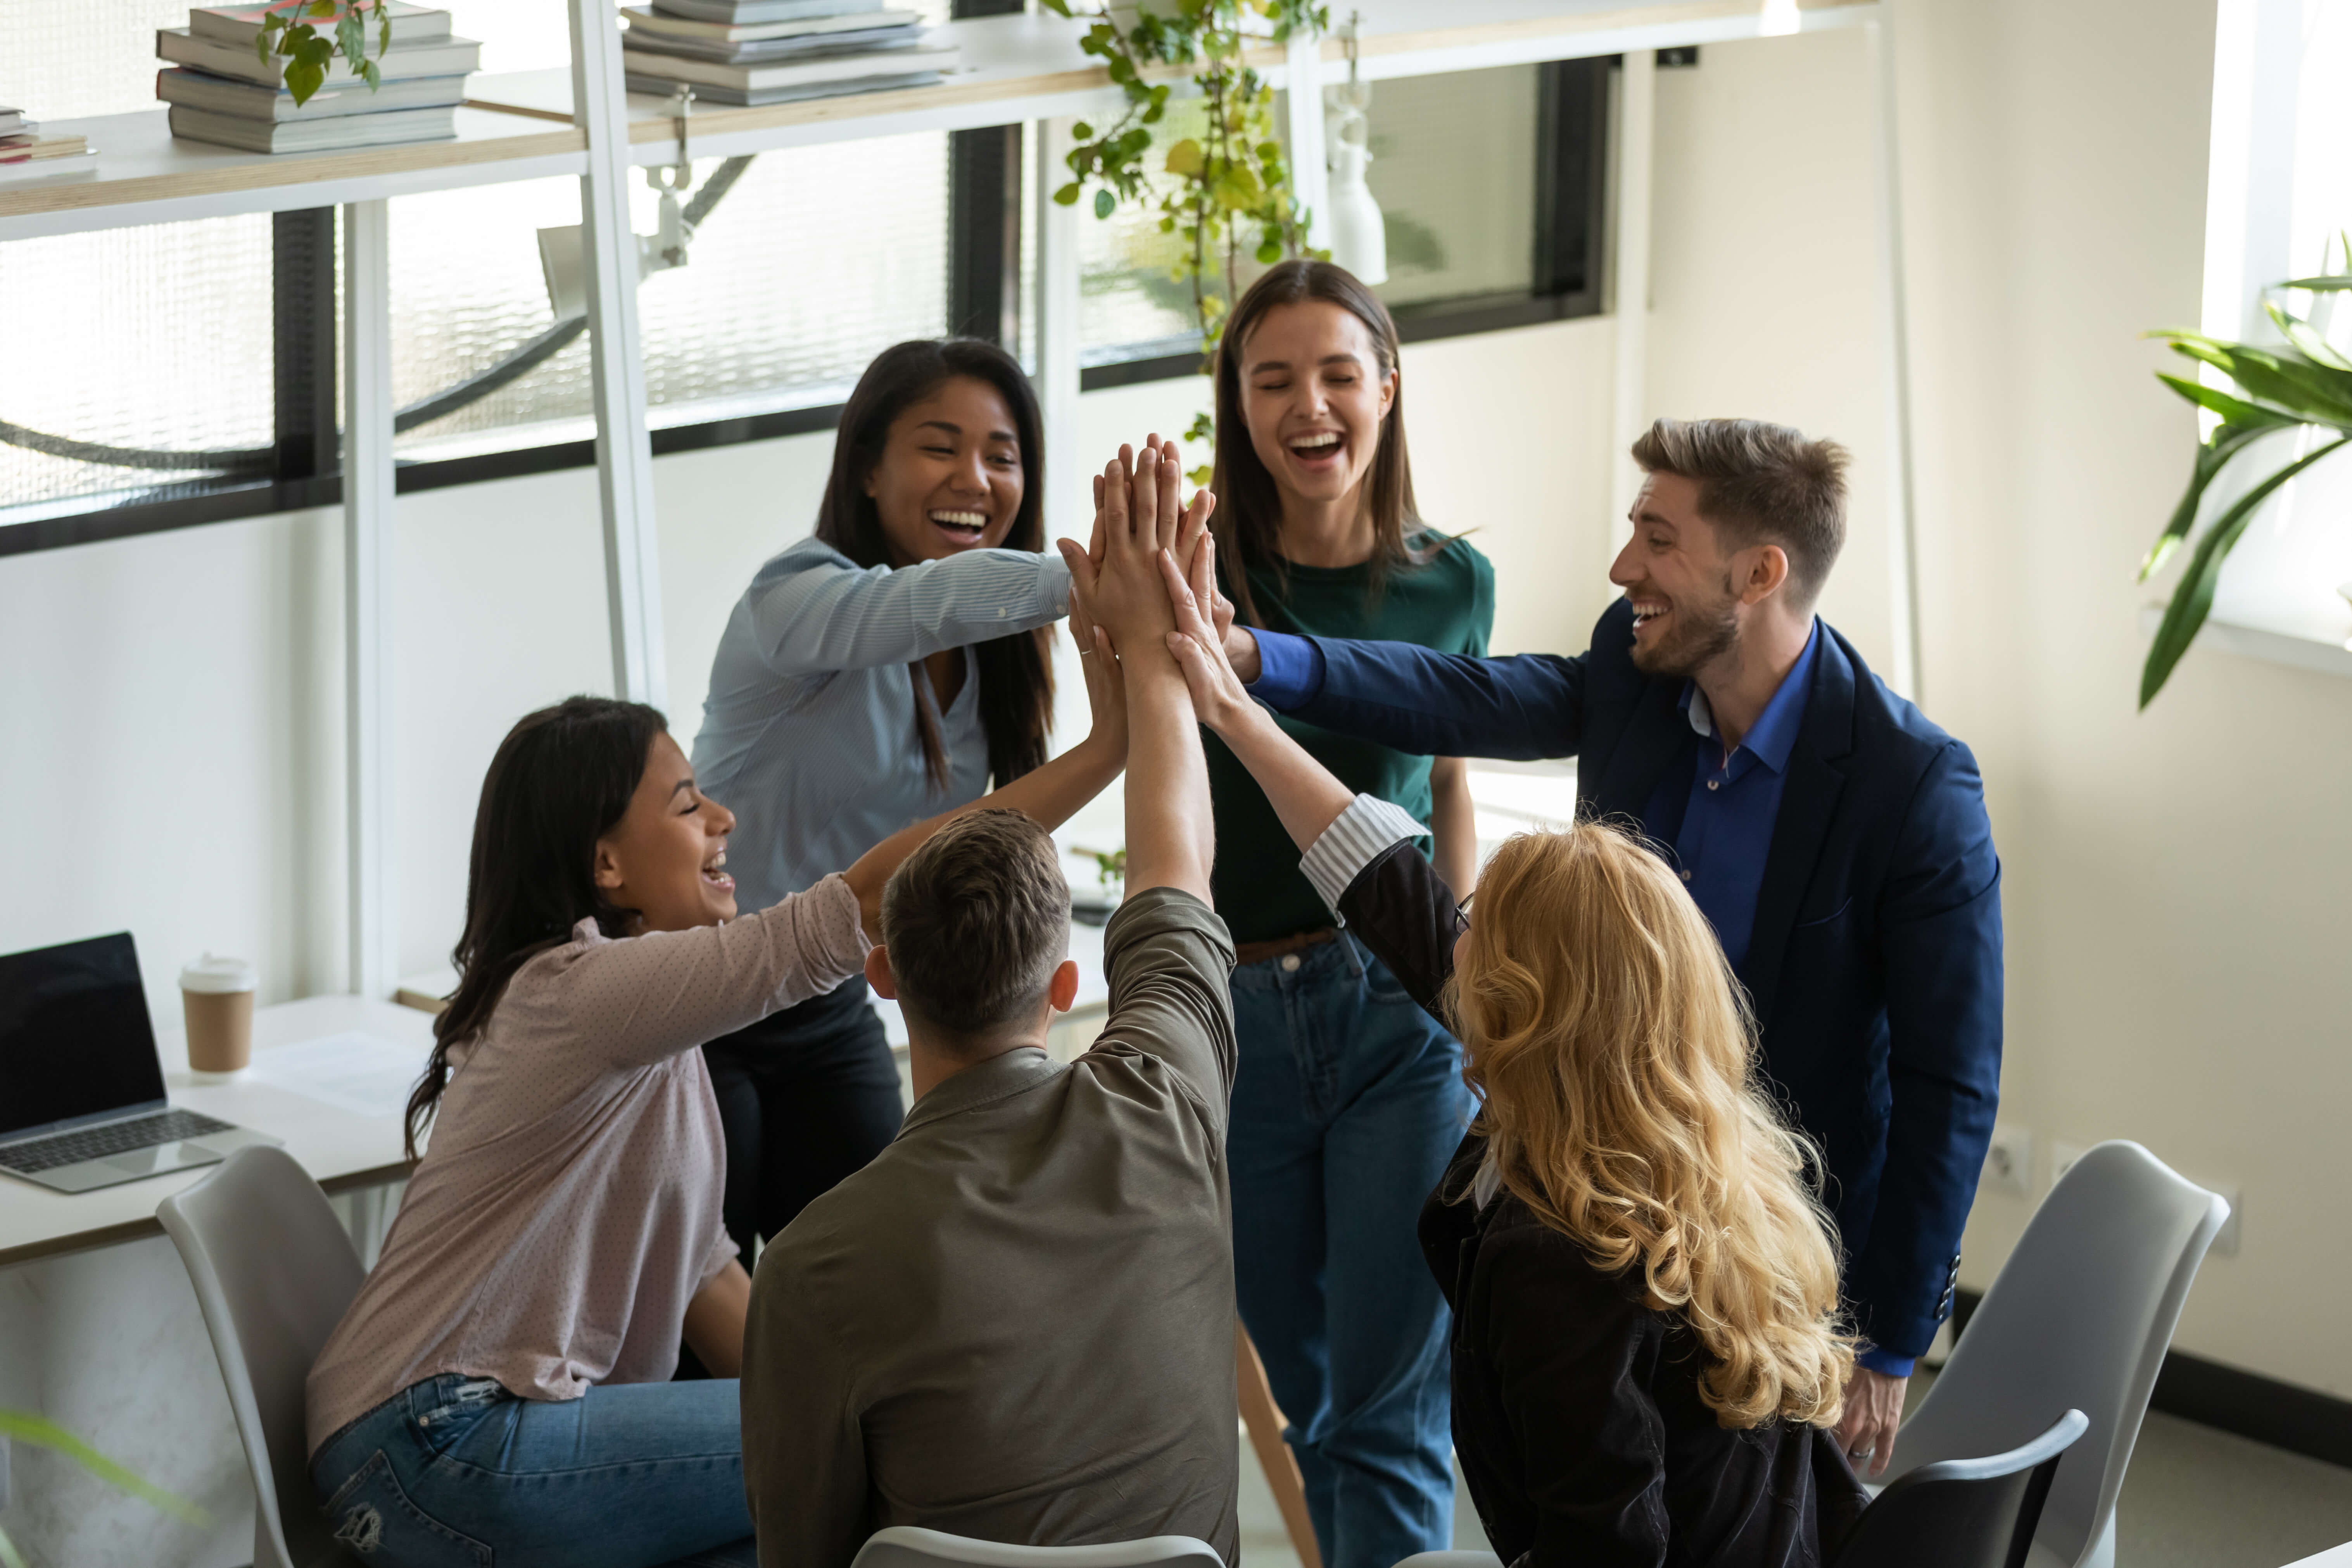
807 1096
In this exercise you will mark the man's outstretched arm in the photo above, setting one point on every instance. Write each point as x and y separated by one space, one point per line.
1415 699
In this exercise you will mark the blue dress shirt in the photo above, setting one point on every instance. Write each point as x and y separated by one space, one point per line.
1725 829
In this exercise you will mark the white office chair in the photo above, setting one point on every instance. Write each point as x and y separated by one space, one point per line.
273 1271
2080 1316
903 1546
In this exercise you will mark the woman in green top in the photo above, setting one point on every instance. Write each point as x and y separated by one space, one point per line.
1349 1101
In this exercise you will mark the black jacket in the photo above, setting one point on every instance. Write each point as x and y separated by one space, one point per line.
1577 1415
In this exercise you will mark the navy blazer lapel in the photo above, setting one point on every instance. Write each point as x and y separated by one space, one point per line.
1809 800
1657 731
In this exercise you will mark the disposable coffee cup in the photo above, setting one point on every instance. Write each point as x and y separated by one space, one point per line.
217 998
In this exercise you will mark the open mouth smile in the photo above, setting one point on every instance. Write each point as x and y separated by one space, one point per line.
1317 448
963 529
715 877
1649 612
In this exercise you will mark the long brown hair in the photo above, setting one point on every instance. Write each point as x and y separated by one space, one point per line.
1016 672
561 780
1249 504
1616 1064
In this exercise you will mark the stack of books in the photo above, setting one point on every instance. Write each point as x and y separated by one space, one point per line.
222 90
774 51
26 154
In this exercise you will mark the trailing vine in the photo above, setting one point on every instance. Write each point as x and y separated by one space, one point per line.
1232 182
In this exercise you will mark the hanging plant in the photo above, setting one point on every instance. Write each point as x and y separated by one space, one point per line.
2303 386
308 34
1230 197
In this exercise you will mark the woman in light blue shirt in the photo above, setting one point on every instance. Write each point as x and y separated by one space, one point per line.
877 674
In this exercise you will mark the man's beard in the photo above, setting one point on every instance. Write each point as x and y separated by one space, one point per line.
1700 635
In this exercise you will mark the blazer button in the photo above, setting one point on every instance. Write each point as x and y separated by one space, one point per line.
1290 964
1685 876
1715 783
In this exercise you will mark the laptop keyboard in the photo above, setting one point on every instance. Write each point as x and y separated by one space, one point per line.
113 1138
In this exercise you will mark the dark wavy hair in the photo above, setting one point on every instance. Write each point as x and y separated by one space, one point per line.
1249 504
1016 672
561 780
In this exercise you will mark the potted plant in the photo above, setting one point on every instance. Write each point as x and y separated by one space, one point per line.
1232 199
2288 406
308 34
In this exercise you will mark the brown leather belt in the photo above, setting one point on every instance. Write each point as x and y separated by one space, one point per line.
1259 952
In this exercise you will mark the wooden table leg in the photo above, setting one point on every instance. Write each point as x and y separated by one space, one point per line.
1264 1421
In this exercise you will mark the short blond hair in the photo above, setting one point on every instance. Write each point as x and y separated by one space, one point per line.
1616 1064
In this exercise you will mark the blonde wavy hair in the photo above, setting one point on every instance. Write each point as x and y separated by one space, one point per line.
1616 1061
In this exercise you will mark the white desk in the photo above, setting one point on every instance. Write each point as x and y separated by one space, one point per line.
340 1150
2333 1557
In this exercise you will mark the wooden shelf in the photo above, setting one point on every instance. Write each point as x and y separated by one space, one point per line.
145 175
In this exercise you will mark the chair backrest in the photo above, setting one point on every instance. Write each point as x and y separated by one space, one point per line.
2080 1315
1962 1513
903 1546
274 1271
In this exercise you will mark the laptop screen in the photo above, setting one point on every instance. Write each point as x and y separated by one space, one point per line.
74 1035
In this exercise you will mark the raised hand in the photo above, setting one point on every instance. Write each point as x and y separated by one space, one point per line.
1106 682
1198 642
1139 519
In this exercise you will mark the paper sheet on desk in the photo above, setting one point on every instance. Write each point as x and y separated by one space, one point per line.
363 1074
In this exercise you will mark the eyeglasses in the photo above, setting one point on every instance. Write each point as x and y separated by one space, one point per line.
1461 915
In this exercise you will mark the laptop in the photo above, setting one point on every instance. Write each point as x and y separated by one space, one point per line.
81 1089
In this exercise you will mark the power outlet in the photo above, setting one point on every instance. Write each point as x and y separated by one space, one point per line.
2008 1162
2063 1156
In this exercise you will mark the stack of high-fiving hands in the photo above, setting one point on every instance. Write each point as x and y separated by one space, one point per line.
1146 582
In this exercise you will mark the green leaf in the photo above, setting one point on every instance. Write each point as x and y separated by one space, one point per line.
2335 282
23 1427
1067 195
9 1556
1083 132
2234 410
2227 442
1184 158
1269 252
1104 203
2314 391
351 37
372 74
2193 599
2307 342
1059 8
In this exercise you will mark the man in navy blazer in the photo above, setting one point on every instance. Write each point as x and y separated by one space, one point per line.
1837 841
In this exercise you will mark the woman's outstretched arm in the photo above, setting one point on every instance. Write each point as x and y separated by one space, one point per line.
1049 793
1357 850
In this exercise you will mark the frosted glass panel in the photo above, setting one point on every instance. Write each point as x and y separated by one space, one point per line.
815 260
148 338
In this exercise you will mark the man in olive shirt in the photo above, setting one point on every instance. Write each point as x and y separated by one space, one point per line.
1017 1323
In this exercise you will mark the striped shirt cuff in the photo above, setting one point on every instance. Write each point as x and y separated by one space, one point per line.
1356 837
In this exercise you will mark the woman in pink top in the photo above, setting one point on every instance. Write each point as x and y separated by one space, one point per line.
499 1391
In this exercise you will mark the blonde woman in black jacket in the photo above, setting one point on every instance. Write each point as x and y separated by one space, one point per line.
1648 1352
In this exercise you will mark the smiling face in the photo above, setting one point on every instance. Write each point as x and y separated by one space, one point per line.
1684 590
664 857
949 478
1314 394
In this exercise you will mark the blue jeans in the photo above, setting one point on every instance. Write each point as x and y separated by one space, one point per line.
1348 1104
455 1473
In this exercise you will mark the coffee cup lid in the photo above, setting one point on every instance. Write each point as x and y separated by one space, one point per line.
211 974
